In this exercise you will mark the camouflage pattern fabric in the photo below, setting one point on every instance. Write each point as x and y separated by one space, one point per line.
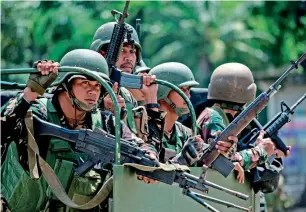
14 130
210 122
178 137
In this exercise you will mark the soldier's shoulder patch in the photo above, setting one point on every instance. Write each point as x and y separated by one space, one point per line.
43 109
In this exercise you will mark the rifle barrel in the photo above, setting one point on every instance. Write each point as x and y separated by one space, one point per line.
196 198
227 204
213 185
284 75
138 29
298 102
125 12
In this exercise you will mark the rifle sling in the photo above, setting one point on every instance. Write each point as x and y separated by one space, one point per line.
53 180
164 167
56 185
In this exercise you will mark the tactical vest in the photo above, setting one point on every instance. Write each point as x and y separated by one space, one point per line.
26 194
130 104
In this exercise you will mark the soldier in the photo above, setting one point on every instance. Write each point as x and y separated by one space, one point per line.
129 58
130 99
73 106
231 87
176 134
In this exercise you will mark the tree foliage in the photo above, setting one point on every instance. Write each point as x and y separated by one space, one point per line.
200 34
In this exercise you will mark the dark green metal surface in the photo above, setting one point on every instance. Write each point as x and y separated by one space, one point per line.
130 194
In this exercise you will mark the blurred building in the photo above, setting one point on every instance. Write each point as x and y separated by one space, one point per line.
293 133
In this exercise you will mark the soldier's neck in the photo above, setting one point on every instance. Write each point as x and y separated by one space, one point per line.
170 118
70 112
232 112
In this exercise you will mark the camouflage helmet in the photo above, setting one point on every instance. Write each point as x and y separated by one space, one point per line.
83 58
177 74
103 36
232 82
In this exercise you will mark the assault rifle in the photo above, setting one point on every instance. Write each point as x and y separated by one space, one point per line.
121 31
100 147
220 162
272 127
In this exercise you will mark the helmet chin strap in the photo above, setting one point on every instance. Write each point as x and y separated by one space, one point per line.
79 104
179 110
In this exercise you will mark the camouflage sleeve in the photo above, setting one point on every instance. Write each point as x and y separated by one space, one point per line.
250 158
212 123
12 116
127 134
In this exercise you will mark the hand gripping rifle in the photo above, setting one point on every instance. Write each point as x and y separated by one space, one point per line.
272 127
100 146
211 155
121 31
271 130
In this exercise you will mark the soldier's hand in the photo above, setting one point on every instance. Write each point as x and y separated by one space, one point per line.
108 103
146 179
266 143
240 174
46 67
37 84
280 154
149 89
223 146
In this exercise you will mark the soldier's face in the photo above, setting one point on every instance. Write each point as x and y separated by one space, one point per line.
177 99
86 91
127 58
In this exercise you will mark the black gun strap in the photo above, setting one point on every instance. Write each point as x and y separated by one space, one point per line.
53 180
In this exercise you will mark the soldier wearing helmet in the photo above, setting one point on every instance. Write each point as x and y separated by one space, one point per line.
73 106
176 135
129 57
128 63
231 87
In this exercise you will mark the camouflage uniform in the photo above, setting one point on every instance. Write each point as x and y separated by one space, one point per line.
101 40
213 120
19 189
176 144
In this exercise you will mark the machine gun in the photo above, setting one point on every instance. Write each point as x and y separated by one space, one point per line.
121 31
272 127
100 146
211 155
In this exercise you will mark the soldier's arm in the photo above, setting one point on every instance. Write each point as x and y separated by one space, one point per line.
12 114
129 135
250 158
211 125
